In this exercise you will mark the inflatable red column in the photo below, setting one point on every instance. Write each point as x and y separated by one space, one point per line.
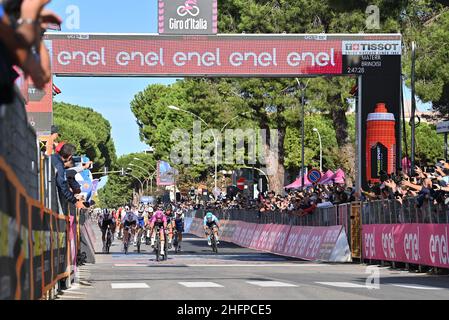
380 143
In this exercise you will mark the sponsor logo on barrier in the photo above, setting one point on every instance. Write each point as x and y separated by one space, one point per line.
411 246
370 245
314 246
438 247
388 245
8 235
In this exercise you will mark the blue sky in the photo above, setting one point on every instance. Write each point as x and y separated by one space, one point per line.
112 96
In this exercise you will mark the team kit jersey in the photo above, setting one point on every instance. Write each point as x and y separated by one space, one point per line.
214 221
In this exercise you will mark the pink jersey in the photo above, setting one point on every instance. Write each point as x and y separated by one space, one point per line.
159 217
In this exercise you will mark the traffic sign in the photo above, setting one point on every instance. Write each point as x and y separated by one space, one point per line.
241 183
314 176
443 127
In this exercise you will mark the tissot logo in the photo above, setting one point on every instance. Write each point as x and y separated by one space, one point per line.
372 47
189 7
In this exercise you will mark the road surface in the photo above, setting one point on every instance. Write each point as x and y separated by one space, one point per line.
239 274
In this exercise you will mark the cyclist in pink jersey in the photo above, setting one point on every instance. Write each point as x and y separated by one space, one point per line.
158 220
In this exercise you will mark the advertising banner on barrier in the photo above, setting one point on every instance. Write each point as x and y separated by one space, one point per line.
281 240
229 230
187 224
37 235
424 244
248 235
9 237
263 237
62 246
236 237
258 228
47 250
25 250
72 237
312 243
54 247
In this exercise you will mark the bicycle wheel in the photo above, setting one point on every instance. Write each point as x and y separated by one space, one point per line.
157 247
166 249
108 242
138 241
214 244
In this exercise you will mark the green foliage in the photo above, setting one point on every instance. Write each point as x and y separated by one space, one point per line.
88 131
429 144
119 189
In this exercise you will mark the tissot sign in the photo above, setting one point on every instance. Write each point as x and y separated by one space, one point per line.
214 55
187 16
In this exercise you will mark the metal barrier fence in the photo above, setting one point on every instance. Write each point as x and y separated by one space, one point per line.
321 217
18 144
393 212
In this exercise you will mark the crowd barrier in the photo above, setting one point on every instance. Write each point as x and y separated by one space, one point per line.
327 244
406 233
38 247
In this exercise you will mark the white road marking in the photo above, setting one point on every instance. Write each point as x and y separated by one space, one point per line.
200 284
257 265
271 284
129 286
419 287
343 284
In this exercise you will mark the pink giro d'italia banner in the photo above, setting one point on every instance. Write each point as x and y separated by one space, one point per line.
425 244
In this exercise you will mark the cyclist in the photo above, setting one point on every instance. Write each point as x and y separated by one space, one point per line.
170 225
211 223
140 225
106 220
129 220
179 226
158 220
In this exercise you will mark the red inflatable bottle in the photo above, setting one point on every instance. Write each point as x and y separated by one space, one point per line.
380 143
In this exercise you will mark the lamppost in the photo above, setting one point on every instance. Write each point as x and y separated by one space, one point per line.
149 175
213 135
321 149
302 87
147 163
130 174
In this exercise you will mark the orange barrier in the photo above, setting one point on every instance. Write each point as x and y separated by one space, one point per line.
34 242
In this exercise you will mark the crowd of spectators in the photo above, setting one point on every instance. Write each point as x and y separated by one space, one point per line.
424 185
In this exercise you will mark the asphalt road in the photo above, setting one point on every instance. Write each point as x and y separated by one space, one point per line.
240 274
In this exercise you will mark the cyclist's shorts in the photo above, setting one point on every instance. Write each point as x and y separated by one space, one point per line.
105 224
159 225
211 224
179 225
141 223
128 223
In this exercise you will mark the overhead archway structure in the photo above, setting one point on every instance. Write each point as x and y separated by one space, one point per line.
374 58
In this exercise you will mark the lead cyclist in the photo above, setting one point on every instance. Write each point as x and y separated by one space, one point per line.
211 222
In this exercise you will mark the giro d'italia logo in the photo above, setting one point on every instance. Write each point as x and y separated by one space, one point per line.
189 8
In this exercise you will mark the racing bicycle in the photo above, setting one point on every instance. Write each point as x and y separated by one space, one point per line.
157 245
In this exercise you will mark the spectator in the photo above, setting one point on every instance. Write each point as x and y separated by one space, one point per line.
61 162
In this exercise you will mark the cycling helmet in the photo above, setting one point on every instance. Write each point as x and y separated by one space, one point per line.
209 215
150 209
